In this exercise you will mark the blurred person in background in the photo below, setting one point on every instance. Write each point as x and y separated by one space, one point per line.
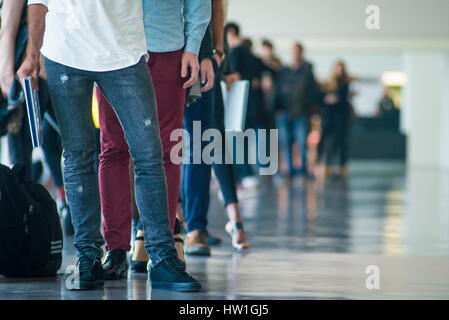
196 178
248 42
336 115
296 92
250 68
225 172
388 111
269 57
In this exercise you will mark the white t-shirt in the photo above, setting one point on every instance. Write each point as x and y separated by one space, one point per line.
94 35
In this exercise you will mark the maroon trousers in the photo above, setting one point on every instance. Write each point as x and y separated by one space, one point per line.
114 173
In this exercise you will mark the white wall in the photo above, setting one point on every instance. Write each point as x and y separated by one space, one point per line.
444 116
324 18
426 108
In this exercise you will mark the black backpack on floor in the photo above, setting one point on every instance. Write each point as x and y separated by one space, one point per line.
30 229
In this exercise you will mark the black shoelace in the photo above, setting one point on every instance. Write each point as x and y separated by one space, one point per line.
174 265
85 264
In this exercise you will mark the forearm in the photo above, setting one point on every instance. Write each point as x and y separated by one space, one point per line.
11 16
207 50
218 24
36 28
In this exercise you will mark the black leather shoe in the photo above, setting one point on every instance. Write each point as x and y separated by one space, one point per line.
90 274
170 274
115 265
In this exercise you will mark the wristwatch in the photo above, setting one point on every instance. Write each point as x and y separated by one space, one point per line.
219 53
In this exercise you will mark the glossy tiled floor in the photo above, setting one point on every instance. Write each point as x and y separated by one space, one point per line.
311 242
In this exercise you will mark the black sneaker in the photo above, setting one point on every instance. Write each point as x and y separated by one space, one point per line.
115 265
90 274
170 274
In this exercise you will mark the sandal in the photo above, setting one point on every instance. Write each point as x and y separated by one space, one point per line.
232 228
179 246
138 266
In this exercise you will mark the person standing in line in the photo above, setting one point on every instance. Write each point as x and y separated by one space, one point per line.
103 42
173 46
195 180
388 112
295 93
140 258
335 122
273 62
225 172
250 68
195 183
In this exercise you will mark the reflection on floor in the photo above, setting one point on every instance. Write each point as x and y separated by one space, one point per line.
311 242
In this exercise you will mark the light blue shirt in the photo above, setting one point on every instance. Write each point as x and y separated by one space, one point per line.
171 25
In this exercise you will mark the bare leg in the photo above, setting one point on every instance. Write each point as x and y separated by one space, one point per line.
139 253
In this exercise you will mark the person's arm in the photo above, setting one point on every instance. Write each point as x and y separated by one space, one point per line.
11 16
218 29
37 10
205 57
207 46
197 14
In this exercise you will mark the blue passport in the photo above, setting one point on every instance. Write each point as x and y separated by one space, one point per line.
34 112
